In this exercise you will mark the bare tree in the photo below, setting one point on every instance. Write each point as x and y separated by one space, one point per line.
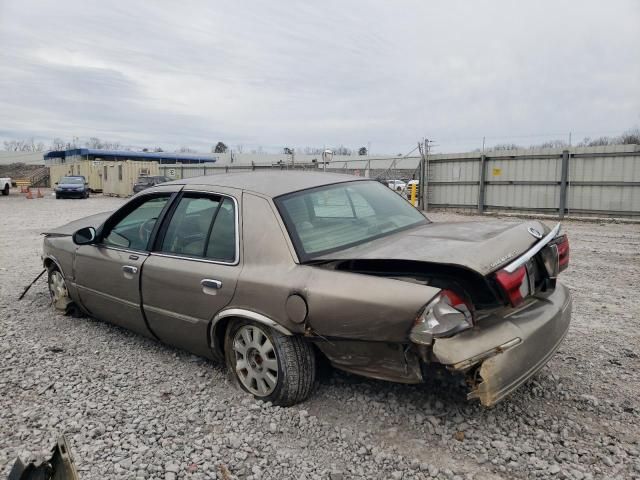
57 144
631 137
27 145
239 148
551 144
185 149
506 146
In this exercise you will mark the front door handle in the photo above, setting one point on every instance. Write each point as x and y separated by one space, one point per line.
130 269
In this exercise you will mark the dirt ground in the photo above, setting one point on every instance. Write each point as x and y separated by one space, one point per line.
134 408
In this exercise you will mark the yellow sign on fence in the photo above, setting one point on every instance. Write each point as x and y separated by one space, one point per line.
497 171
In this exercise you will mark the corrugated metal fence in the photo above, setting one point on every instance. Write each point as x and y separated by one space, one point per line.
582 181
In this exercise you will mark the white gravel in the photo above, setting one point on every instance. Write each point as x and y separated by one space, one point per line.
134 408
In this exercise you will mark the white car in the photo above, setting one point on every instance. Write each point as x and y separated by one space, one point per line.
397 185
5 185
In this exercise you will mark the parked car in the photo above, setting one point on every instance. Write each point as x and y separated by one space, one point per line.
73 186
268 271
397 185
5 185
144 182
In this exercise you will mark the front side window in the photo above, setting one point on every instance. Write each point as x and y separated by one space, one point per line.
330 218
202 226
134 229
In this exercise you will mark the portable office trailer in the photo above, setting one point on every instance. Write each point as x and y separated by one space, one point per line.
91 170
118 177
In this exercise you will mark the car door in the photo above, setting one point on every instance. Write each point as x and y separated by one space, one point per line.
192 272
107 273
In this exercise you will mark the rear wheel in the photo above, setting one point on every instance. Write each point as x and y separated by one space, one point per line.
268 364
58 291
5 190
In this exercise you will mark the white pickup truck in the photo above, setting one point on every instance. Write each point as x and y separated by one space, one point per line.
5 185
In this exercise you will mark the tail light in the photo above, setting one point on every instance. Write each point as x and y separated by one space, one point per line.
562 243
446 314
514 284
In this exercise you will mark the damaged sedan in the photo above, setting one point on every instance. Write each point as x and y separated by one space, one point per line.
271 271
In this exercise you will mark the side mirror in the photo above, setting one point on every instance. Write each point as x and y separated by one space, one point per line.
84 236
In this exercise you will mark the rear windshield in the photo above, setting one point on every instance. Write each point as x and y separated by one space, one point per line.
334 217
72 180
145 180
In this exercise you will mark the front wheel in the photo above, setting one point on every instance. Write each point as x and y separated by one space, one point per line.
5 190
273 367
58 291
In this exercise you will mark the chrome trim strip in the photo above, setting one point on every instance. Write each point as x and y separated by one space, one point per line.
529 254
256 317
120 249
488 354
195 259
109 297
168 313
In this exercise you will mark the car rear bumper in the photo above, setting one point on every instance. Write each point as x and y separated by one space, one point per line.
71 194
501 353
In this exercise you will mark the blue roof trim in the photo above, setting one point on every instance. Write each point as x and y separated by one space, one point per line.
162 157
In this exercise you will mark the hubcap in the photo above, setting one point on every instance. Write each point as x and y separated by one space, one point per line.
256 360
57 287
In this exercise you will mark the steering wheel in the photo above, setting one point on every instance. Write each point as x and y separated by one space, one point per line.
145 229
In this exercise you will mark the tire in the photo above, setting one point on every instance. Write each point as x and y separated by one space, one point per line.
58 292
57 197
283 372
5 190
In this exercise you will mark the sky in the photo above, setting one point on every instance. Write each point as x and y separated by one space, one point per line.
264 75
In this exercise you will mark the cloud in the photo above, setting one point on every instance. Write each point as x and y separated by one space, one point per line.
294 73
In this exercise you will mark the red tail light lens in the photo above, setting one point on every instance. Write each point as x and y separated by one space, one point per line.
513 284
563 252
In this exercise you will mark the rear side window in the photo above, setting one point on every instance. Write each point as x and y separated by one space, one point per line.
204 227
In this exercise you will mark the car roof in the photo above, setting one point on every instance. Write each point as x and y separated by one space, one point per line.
271 183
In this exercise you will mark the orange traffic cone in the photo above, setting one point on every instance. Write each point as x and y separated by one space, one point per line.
40 195
29 194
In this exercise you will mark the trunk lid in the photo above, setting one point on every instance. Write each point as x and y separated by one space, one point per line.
480 246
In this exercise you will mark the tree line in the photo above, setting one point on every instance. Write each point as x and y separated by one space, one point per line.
629 137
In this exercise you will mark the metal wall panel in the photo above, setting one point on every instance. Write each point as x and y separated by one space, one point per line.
532 169
542 197
453 195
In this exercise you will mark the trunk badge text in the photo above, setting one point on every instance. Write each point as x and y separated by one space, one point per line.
534 232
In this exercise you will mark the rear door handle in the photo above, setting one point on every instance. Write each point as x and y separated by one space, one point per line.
130 269
211 284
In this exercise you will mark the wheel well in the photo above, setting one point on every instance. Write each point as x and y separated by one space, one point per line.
217 332
48 263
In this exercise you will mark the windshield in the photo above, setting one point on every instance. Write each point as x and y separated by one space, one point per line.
334 217
72 180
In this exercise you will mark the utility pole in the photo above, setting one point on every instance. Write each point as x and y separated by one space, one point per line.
424 147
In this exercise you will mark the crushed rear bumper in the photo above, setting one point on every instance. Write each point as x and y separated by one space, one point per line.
501 353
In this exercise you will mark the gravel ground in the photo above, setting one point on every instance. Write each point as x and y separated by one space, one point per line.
134 408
